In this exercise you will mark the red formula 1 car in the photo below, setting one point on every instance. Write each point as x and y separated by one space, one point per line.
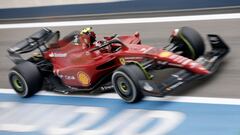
79 63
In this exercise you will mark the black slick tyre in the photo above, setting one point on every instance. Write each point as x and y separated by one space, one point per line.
192 43
125 81
25 79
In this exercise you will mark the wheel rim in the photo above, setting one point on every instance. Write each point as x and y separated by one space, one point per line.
17 83
125 81
124 86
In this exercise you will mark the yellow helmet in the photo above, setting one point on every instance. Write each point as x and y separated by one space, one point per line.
86 30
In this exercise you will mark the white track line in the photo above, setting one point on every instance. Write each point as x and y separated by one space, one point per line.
43 3
123 21
183 99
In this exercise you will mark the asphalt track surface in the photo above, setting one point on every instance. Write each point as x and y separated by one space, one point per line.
224 84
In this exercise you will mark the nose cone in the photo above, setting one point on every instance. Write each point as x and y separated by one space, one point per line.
183 62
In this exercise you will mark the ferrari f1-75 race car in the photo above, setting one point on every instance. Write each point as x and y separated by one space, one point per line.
78 62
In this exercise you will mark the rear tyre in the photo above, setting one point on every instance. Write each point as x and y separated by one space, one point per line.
125 81
190 42
25 79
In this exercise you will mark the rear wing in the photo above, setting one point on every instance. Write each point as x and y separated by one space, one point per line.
37 40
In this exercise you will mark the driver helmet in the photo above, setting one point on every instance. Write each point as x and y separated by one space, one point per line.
88 36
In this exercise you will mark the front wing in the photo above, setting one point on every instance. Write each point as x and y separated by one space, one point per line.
211 61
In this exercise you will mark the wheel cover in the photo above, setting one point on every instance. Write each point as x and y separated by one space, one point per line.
17 83
124 86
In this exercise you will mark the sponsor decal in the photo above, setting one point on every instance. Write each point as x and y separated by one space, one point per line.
62 76
193 64
174 86
83 78
181 60
174 56
147 87
186 62
133 58
54 54
69 77
165 54
144 50
177 76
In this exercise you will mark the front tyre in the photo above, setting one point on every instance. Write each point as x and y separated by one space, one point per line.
25 79
189 42
125 81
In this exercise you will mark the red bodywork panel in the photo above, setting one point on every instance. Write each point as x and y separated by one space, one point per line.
78 67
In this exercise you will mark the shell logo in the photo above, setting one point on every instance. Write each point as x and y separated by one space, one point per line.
83 78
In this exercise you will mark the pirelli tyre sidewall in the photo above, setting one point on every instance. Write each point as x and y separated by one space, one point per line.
25 79
125 81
